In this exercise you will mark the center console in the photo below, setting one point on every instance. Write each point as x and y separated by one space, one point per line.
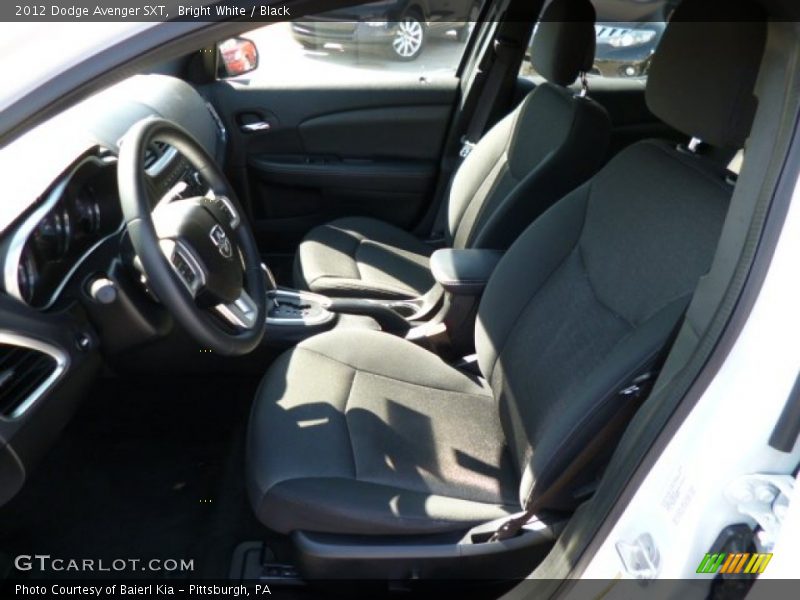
442 319
294 315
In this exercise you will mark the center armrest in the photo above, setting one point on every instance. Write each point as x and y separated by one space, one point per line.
464 272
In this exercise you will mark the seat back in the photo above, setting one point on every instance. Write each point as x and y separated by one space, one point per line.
551 143
587 297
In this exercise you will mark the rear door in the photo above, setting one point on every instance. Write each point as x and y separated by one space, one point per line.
329 127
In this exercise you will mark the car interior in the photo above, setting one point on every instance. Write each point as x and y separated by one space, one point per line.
551 143
385 330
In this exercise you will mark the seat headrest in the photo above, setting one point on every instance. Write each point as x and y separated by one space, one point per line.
703 73
564 41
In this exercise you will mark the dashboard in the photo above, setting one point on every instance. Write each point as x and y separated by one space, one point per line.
61 228
80 210
78 214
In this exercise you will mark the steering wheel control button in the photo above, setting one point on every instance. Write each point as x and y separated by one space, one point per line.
184 270
229 210
224 205
184 264
103 290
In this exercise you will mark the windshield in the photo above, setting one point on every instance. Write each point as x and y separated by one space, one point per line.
32 53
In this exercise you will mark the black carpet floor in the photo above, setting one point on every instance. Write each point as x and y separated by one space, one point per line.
148 468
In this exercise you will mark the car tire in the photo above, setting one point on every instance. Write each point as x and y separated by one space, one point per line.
409 38
462 35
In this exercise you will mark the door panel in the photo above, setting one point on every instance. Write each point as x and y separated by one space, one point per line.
381 176
328 151
413 132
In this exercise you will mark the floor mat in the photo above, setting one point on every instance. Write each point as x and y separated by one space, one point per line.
148 468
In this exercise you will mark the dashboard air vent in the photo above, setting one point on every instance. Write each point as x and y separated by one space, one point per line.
150 157
23 371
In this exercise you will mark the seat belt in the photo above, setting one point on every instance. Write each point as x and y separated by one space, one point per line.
505 52
499 70
635 392
504 55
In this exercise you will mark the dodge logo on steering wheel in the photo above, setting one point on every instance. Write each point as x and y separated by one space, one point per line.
221 241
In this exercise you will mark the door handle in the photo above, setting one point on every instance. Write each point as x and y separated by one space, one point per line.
254 127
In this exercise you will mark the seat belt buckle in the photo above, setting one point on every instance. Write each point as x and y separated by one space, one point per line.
507 530
638 386
512 526
466 147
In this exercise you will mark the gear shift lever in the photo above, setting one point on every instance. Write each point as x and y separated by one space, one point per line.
271 284
298 314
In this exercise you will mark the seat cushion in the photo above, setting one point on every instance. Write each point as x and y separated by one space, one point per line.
363 258
342 440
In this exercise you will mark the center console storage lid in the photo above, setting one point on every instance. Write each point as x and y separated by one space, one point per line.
464 272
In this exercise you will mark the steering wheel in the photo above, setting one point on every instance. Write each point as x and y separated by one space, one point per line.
198 253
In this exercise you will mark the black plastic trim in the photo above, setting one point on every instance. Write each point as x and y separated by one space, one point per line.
787 429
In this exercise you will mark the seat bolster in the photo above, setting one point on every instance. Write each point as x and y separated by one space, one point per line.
512 177
562 160
363 258
593 405
300 420
332 505
548 240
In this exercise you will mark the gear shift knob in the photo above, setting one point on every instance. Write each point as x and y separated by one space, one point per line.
269 279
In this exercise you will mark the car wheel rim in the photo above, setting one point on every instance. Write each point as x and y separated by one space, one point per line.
408 39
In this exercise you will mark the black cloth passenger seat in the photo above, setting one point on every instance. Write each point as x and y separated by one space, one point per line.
551 143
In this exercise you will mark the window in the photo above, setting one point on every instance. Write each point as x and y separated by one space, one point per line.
628 32
383 40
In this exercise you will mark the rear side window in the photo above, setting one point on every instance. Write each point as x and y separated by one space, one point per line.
628 33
